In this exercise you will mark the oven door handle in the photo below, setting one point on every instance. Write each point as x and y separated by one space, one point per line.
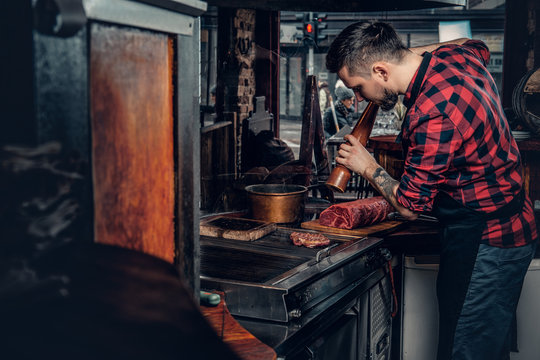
321 254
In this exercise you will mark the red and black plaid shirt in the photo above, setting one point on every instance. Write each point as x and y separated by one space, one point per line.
458 141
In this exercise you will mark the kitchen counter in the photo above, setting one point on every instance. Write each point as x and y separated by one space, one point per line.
416 237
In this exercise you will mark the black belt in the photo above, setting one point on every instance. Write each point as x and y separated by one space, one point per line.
448 210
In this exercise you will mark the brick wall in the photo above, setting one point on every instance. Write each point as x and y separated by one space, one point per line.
244 51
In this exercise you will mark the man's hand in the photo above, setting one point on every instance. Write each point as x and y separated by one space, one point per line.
356 158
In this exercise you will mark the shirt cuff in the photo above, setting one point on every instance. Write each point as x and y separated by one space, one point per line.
415 204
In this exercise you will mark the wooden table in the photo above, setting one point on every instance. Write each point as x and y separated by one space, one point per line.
244 344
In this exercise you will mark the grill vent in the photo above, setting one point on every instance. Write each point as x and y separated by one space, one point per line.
380 319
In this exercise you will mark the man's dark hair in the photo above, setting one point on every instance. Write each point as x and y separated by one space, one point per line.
361 44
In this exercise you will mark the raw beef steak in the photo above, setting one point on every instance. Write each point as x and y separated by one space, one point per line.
353 214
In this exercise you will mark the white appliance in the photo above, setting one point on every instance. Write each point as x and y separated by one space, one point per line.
419 309
528 316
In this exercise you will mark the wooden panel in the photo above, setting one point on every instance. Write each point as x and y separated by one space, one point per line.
518 58
531 167
187 158
381 228
334 6
18 100
132 139
217 165
267 30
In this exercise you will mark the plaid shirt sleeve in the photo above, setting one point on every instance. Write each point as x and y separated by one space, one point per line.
457 54
430 154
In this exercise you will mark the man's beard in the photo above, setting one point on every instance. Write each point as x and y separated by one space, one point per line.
389 100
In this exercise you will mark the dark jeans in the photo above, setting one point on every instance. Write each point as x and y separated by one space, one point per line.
490 303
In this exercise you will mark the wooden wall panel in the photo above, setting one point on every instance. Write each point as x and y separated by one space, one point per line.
267 33
131 106
217 165
521 44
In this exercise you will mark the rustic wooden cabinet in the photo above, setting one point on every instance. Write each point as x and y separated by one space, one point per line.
117 82
131 112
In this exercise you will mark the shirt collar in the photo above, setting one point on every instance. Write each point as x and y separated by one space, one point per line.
412 92
416 83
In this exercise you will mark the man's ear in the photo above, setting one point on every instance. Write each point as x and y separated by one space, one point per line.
380 71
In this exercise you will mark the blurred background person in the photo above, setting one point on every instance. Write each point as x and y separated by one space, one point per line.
343 113
324 96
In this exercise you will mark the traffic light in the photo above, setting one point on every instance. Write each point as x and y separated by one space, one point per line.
320 25
310 31
311 28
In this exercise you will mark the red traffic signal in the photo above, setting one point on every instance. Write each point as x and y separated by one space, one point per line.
309 28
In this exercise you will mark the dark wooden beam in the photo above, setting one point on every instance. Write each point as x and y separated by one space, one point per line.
192 7
267 61
521 44
17 101
188 162
337 6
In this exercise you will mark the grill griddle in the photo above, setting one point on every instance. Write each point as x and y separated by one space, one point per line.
245 265
272 279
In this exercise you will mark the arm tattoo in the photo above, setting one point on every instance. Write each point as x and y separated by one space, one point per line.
384 181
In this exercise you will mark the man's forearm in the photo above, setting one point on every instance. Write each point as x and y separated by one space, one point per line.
355 157
387 186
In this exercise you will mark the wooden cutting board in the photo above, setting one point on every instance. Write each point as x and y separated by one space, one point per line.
381 228
236 228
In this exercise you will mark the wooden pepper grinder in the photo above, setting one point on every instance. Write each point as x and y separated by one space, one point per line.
340 176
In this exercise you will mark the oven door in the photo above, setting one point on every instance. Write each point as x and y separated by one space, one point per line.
336 342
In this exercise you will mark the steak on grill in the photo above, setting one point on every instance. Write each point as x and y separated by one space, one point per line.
309 240
353 214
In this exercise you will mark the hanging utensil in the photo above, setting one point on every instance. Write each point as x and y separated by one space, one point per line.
334 116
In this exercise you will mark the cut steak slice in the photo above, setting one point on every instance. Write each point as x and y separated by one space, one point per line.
353 214
309 240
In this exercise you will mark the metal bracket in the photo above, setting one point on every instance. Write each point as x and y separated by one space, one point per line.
62 18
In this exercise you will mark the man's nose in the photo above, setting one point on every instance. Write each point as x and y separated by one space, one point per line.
358 96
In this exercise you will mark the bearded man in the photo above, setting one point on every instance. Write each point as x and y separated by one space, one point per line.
461 164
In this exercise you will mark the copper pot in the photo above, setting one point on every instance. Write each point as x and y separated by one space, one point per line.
279 203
